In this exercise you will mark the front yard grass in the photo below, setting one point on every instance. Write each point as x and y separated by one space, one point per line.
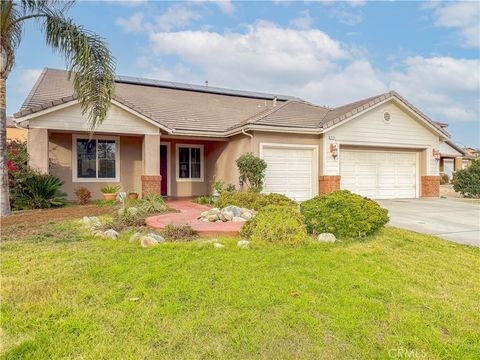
68 295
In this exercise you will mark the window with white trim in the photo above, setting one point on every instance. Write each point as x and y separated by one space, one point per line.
96 159
189 162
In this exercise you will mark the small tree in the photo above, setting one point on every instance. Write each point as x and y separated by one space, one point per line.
467 181
252 171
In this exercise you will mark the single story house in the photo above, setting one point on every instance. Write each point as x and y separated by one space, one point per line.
177 139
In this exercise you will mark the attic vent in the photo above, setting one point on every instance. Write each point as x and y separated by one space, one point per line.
386 117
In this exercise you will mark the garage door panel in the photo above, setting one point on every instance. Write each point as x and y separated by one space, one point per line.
289 171
379 174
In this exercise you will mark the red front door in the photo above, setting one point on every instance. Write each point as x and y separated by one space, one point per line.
164 169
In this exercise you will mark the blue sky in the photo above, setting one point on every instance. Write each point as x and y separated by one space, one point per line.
326 52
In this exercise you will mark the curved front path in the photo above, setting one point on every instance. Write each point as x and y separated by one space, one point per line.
188 214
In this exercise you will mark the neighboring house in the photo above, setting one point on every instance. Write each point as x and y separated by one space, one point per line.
177 139
15 133
452 156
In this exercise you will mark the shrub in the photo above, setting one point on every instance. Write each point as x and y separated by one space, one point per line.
467 181
151 204
343 214
252 171
203 200
110 189
83 195
18 170
281 225
173 232
221 187
41 192
444 179
252 200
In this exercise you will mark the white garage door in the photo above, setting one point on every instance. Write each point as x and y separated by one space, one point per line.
379 174
290 171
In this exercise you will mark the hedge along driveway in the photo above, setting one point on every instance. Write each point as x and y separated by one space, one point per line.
68 296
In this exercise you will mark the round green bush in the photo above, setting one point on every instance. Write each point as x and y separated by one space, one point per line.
282 225
344 214
252 200
467 181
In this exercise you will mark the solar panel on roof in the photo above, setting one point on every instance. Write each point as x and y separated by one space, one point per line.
201 88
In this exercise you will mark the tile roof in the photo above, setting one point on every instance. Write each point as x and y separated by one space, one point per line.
178 106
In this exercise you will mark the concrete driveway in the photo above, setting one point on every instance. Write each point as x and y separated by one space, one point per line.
456 220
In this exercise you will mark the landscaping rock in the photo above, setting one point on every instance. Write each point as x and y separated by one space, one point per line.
326 237
135 237
238 219
160 239
91 222
212 217
243 244
217 245
148 241
110 233
247 215
204 214
228 215
235 210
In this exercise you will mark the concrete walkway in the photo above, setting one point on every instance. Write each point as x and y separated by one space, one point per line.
456 220
188 214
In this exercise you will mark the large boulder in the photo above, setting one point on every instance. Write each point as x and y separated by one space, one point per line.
243 244
326 237
110 233
235 210
148 241
238 219
160 239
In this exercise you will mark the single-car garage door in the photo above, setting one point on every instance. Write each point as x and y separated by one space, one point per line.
379 174
291 170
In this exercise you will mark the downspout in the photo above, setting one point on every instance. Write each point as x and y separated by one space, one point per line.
251 139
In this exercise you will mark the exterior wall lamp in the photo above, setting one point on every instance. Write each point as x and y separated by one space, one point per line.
436 154
333 150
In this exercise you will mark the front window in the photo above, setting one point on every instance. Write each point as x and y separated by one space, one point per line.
96 159
190 158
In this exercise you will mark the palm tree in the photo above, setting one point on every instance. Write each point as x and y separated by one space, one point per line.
87 57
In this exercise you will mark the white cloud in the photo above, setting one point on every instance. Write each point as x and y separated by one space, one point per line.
310 64
346 16
226 6
134 23
463 16
26 79
175 17
445 88
304 21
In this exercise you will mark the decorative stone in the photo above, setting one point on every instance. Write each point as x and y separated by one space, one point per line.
212 217
110 233
135 237
217 245
91 222
326 237
247 215
243 244
147 241
238 219
235 210
228 215
205 213
160 239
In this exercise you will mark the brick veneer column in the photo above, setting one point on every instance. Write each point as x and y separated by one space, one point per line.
430 186
151 184
329 183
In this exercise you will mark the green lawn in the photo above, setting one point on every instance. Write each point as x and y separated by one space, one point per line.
66 295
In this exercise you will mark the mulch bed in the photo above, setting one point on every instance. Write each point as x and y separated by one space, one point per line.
22 223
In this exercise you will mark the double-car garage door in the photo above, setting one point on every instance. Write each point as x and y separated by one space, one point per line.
292 171
379 174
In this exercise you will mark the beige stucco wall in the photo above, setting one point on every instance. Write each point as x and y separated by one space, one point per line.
60 157
16 134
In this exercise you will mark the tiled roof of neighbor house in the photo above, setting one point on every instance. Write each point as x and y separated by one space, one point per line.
10 123
179 106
